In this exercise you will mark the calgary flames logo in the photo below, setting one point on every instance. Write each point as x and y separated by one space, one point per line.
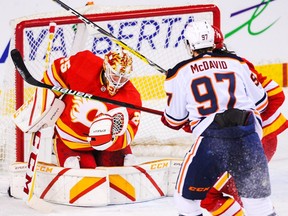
82 107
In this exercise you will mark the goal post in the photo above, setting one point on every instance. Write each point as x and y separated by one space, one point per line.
157 33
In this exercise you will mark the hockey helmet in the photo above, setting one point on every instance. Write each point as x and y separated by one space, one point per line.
118 69
199 35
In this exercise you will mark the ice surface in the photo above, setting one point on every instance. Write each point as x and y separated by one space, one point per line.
161 207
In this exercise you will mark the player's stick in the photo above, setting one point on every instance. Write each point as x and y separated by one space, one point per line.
30 176
33 201
91 24
81 33
26 75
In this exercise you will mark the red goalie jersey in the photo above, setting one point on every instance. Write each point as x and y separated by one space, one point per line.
84 72
274 122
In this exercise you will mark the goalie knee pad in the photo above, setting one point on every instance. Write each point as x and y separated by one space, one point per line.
72 162
130 160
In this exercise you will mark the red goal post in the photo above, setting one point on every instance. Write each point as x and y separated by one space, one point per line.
156 33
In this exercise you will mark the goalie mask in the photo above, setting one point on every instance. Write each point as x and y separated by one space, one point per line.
199 35
118 69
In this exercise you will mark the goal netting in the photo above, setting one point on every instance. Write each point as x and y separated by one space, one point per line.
155 33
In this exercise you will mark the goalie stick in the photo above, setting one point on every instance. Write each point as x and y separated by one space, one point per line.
26 75
93 25
30 176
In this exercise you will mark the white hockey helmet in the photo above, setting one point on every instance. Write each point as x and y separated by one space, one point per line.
118 69
199 35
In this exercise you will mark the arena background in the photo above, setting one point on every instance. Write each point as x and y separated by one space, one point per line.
255 29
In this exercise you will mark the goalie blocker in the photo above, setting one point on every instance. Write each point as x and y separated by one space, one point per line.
101 186
40 111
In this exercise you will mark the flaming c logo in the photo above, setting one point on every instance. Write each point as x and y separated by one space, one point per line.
82 107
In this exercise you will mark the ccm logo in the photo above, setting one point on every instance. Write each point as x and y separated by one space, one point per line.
45 169
198 189
159 165
32 162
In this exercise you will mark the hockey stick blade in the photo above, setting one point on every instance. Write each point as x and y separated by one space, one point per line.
22 69
26 75
91 24
40 205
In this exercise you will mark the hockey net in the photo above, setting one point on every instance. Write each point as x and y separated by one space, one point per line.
155 33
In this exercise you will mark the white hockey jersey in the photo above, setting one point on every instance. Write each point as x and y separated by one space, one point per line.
200 87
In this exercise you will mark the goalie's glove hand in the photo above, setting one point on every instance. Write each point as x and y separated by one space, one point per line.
106 127
100 134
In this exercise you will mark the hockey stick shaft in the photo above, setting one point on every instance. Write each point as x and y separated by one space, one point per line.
30 177
31 165
36 136
89 23
26 75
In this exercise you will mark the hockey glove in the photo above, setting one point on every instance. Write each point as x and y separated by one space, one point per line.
106 127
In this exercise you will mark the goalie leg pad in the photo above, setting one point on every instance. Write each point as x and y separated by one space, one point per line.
96 187
72 162
130 160
83 187
17 173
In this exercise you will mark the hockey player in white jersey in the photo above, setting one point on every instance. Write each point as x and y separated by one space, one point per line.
221 99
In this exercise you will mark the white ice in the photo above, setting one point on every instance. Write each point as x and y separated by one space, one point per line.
161 207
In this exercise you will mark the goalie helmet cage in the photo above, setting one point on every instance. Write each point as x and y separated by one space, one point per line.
156 33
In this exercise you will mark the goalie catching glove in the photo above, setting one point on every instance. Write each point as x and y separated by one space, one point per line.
106 127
